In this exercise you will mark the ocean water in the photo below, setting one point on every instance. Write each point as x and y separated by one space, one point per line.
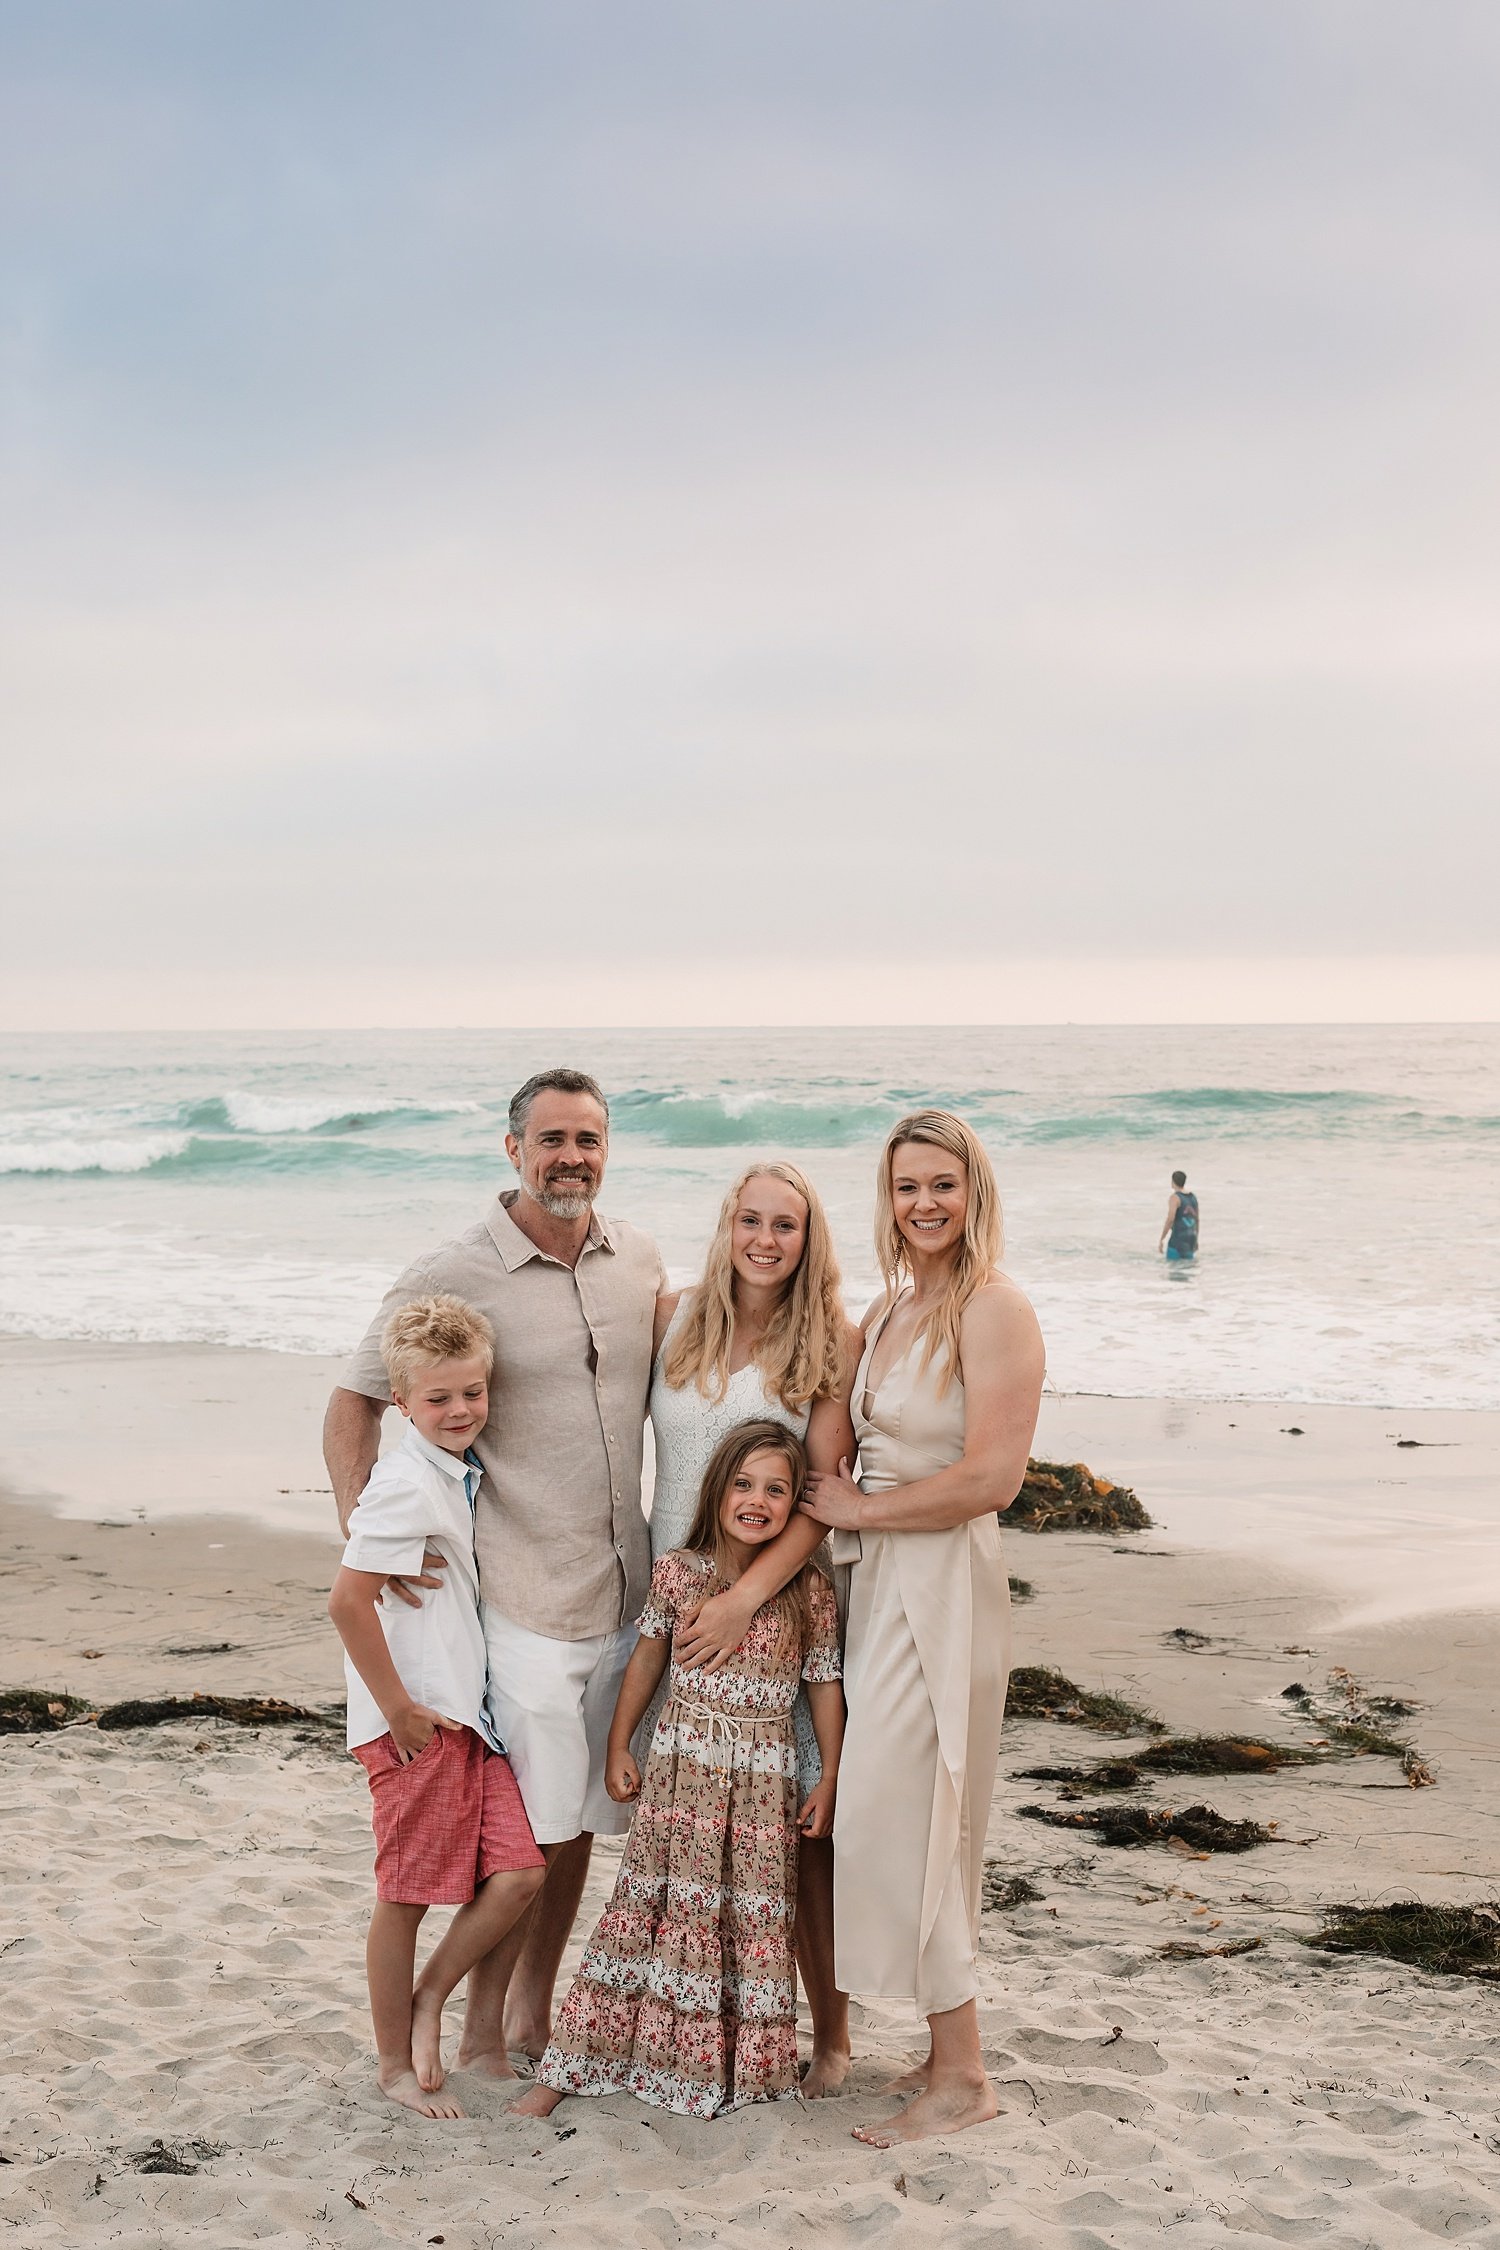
262 1188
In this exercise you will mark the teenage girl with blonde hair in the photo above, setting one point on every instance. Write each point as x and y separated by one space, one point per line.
763 1335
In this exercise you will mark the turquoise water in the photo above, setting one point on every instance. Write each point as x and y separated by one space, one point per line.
261 1188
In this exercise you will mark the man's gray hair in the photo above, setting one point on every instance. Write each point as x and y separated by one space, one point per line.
555 1082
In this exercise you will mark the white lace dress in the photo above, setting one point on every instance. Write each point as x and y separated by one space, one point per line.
687 1426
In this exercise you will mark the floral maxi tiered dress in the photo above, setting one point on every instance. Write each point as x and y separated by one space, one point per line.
686 1995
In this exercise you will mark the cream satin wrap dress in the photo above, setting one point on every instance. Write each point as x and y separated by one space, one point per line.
925 1670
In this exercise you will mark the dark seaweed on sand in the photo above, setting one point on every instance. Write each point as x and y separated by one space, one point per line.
39 1710
1453 1941
1183 1949
1002 1890
1357 1724
1127 1825
1186 1753
1067 1496
1036 1691
43 1710
1221 1753
1363 1740
180 2158
242 1710
1114 1773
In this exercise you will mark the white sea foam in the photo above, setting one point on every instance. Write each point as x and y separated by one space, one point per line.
255 1190
107 1284
79 1121
281 1113
65 1155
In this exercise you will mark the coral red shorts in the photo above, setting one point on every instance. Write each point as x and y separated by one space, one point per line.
446 1821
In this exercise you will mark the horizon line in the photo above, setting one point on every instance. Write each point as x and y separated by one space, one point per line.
769 1023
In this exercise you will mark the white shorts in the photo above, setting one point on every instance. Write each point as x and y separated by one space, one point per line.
551 1702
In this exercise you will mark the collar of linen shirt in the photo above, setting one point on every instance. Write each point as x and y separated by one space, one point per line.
516 1248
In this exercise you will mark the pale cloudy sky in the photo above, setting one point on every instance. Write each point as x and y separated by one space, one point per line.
550 512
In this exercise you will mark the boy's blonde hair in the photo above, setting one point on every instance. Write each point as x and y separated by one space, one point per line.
430 1329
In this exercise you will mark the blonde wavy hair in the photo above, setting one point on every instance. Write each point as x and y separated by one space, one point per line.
984 1232
801 1355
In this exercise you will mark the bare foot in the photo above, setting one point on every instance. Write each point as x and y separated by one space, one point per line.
911 2081
427 2040
825 2075
490 2062
537 2101
943 2109
401 2086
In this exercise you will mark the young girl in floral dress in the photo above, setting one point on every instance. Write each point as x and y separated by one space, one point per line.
686 1995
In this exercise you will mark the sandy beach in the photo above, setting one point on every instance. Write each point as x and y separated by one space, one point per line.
184 1906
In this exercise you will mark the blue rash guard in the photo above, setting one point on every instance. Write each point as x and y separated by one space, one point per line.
1182 1242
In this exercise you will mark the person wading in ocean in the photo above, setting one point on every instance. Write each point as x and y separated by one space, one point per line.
1179 1229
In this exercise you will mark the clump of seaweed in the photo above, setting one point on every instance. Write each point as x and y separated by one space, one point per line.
1362 1740
242 1710
1067 1496
40 1710
1452 1941
1180 1949
181 2158
1036 1691
1198 1827
1115 1773
1357 1724
1221 1753
1021 1590
1002 1891
1185 1753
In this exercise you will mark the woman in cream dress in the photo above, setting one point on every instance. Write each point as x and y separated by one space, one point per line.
763 1336
945 1404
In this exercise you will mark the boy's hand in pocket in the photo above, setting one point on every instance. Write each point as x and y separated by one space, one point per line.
414 1726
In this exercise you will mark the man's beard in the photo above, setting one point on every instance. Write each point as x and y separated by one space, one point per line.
566 1199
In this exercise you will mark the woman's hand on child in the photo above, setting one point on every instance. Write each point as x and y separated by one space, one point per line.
414 1726
708 1635
622 1777
432 1563
834 1500
816 1816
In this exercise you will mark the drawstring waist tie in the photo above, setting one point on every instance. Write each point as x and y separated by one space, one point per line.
725 1729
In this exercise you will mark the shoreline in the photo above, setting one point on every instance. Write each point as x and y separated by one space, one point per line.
1392 1513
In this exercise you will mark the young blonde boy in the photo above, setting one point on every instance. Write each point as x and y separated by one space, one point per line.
450 1828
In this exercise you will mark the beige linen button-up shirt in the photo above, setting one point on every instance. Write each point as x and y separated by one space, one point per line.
559 1531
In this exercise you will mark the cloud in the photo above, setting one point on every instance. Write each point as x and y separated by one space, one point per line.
1010 482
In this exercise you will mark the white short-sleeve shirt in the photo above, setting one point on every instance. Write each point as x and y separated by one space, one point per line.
418 1496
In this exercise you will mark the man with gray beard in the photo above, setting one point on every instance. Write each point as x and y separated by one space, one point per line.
563 1551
